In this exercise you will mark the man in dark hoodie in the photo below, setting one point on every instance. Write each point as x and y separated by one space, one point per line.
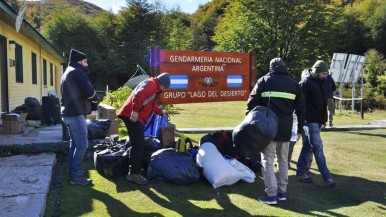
315 96
282 94
77 96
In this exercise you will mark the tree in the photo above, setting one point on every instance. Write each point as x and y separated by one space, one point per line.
69 29
376 23
205 20
295 30
375 67
135 34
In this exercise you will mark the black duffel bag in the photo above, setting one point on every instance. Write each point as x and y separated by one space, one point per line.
110 160
98 129
172 166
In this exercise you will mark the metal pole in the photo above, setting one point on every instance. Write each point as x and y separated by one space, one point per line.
352 97
362 113
340 87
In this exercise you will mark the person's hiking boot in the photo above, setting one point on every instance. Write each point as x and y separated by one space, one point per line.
281 196
79 180
137 178
331 183
271 200
304 178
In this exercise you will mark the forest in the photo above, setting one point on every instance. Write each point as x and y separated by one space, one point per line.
299 31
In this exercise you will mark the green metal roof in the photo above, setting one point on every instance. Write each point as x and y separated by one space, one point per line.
8 15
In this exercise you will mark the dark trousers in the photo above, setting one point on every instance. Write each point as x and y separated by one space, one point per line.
137 141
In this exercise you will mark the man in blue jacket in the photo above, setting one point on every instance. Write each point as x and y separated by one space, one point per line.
331 87
315 96
78 95
282 94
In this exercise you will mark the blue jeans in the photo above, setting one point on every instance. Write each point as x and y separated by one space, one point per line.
77 128
312 144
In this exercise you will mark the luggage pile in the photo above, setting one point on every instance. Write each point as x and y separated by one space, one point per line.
110 157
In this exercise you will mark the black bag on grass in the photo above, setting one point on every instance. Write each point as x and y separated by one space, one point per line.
110 159
172 166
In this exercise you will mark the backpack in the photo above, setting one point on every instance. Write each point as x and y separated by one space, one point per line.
183 145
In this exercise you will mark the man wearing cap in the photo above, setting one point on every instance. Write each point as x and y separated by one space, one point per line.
77 97
282 94
315 96
135 113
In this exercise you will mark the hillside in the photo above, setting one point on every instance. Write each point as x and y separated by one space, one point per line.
35 13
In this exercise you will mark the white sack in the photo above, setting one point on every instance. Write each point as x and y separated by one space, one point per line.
247 174
215 168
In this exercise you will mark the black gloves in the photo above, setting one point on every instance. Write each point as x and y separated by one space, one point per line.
94 103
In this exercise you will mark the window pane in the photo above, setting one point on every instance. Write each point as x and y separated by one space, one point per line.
44 72
19 63
34 69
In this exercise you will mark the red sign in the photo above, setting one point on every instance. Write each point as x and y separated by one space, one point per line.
202 76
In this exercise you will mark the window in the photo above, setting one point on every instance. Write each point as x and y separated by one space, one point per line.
19 63
44 72
51 74
34 69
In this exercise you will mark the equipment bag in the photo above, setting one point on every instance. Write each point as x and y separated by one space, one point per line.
50 111
110 159
98 129
183 145
172 166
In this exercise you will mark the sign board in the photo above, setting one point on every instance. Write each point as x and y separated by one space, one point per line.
337 65
359 68
349 72
202 76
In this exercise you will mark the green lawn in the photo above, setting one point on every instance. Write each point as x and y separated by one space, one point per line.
356 159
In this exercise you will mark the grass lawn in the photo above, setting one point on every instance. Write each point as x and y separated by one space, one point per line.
356 159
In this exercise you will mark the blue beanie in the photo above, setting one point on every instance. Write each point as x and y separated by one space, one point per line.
164 79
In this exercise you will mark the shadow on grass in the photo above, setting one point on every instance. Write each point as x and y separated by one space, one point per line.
316 197
368 134
201 199
181 198
78 200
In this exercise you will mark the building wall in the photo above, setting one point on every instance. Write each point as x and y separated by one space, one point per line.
19 91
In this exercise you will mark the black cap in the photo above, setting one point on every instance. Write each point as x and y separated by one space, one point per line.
76 56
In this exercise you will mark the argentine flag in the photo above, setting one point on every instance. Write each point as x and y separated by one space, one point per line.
178 81
234 80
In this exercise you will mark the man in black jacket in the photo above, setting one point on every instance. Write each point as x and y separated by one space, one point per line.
282 94
77 96
315 95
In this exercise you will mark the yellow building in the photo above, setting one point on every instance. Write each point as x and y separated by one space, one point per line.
29 65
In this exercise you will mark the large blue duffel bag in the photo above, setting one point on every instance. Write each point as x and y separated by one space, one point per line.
256 131
172 166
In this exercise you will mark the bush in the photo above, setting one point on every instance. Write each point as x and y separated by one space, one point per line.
117 98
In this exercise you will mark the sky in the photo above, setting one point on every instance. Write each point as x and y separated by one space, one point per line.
188 6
